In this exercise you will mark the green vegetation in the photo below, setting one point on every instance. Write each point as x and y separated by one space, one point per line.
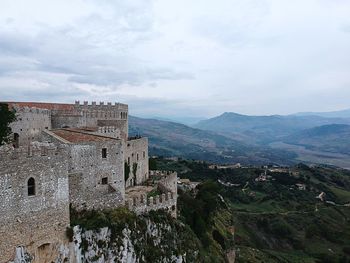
274 220
154 193
7 116
210 219
152 164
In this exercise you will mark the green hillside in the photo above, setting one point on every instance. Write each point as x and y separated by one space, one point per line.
274 220
329 138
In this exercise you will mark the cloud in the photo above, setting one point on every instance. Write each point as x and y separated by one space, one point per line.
178 57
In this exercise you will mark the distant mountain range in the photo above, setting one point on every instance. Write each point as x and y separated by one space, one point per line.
264 129
174 139
232 137
332 114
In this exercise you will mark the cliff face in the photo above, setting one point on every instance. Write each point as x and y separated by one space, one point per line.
125 238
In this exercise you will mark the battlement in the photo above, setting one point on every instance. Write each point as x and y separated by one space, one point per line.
141 204
101 105
107 129
160 173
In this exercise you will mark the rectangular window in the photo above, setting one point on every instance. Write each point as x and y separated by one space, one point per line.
144 155
104 152
105 180
137 157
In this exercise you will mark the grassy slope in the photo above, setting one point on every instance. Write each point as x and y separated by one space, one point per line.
274 221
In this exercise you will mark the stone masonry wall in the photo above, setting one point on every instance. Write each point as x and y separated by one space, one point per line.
167 180
37 222
136 152
93 115
142 204
96 182
29 124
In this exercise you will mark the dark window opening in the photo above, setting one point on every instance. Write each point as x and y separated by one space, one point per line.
15 140
31 186
104 152
105 180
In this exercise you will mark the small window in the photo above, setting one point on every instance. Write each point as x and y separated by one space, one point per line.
137 157
104 152
31 186
15 140
105 180
144 155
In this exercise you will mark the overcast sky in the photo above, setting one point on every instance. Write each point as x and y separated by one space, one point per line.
179 58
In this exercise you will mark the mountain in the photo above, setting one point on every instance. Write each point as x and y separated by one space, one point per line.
174 139
183 120
264 129
332 114
329 138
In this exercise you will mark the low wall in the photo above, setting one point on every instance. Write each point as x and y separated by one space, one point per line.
142 204
166 180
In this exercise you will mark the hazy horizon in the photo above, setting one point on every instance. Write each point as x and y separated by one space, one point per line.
175 59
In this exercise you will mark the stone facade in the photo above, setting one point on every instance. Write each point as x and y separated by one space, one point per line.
136 157
66 155
166 183
30 122
37 219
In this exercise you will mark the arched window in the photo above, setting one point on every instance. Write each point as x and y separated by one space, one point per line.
31 186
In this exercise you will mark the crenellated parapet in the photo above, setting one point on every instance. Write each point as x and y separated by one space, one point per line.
101 105
141 204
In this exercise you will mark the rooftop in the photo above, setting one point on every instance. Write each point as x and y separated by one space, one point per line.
42 105
78 135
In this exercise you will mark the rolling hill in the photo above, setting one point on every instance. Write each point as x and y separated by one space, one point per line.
329 138
264 129
174 139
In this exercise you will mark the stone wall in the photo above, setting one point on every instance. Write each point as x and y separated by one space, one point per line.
136 153
36 221
29 124
96 182
142 204
110 131
93 115
167 180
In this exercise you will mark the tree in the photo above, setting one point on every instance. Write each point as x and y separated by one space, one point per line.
7 116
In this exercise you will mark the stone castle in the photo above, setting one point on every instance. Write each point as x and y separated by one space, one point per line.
71 155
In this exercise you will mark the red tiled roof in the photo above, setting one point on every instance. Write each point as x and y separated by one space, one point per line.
75 135
43 105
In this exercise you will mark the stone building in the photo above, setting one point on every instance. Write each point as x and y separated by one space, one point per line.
64 155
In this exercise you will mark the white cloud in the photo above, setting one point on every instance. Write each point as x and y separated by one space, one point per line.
187 57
